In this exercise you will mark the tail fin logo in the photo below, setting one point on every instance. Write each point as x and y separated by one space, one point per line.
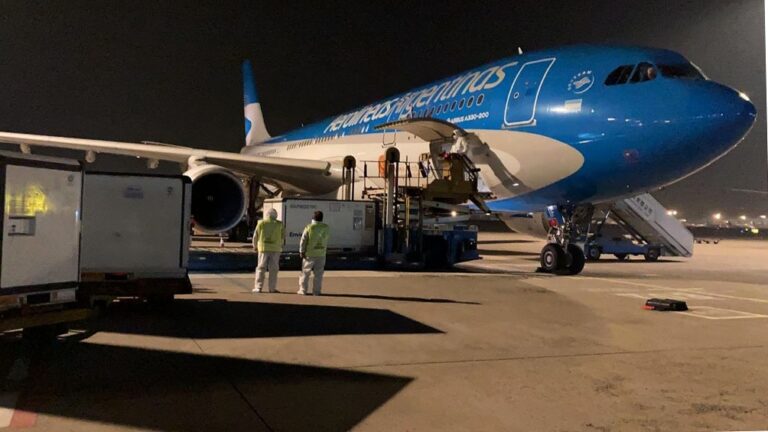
255 129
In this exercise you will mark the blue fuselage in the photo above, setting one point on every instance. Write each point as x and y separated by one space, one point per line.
640 118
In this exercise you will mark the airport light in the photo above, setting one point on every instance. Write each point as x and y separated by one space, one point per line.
763 216
672 212
717 216
743 217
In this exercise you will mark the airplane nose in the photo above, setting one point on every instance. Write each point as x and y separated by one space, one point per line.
744 113
738 112
729 117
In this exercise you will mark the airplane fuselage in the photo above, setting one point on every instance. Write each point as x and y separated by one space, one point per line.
564 126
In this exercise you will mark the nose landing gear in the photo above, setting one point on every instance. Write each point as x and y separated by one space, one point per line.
563 261
562 255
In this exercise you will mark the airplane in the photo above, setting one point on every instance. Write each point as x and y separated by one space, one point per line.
553 131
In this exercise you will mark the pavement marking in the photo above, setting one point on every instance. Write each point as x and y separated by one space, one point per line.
713 313
640 284
632 295
700 291
752 299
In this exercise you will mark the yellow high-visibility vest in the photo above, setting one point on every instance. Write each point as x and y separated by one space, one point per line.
317 239
270 236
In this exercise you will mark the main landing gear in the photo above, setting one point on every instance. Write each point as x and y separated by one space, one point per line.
562 255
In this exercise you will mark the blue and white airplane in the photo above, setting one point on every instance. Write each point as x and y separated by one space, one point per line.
558 129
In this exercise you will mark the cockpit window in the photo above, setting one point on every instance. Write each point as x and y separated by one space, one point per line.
619 75
681 71
644 72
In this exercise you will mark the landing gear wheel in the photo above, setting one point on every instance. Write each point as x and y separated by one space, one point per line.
577 261
652 254
593 253
621 257
552 258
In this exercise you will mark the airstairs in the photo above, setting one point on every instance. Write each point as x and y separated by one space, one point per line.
647 220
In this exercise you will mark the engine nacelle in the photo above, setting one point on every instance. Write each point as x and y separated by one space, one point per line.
532 224
219 198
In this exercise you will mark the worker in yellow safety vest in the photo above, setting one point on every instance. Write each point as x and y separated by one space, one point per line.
268 240
313 246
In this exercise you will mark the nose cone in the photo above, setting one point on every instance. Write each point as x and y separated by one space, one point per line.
731 115
707 121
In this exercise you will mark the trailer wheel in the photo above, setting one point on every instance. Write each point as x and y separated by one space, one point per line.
622 256
593 253
652 254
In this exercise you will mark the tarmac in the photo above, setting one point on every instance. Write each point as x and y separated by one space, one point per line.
493 346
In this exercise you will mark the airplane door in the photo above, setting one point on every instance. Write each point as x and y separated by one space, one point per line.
524 93
389 136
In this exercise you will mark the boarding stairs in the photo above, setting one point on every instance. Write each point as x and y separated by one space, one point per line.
647 220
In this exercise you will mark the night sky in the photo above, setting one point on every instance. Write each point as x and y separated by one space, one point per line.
169 71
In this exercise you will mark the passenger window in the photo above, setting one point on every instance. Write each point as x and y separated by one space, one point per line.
619 75
453 106
446 106
461 103
470 101
480 99
644 72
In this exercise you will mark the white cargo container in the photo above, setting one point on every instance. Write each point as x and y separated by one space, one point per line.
41 230
352 223
135 229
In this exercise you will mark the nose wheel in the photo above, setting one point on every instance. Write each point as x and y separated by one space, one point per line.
562 255
564 261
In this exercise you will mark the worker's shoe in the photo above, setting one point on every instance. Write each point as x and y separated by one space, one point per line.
273 291
302 292
256 290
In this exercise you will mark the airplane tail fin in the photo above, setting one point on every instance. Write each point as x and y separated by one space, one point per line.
255 129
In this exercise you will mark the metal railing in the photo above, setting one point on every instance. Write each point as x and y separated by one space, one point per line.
411 174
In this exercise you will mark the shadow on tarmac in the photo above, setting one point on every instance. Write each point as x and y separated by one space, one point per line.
493 252
510 241
403 299
221 319
172 391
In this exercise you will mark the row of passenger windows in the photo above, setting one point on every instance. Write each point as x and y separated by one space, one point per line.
440 109
309 142
451 106
642 72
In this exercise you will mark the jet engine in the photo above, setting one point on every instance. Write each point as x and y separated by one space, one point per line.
219 198
532 224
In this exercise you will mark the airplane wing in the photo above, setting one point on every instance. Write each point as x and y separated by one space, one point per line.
309 176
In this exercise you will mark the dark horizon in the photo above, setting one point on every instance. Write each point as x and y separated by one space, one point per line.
171 73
